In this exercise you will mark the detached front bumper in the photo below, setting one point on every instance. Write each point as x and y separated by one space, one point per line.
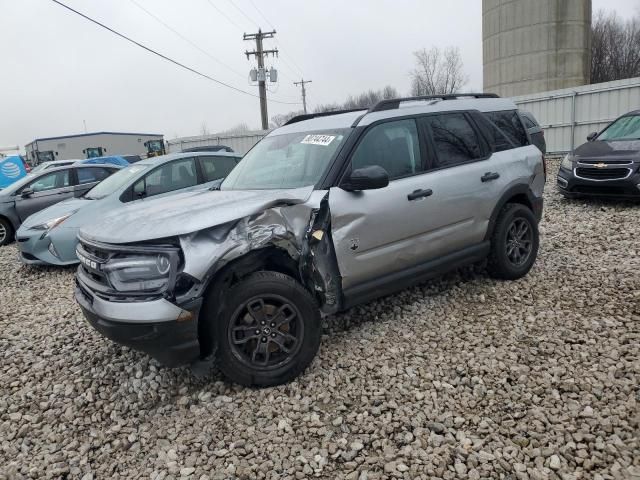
573 186
151 326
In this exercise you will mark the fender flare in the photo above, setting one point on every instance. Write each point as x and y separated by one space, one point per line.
13 220
518 190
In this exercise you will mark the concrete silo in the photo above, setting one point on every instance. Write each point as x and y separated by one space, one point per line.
535 45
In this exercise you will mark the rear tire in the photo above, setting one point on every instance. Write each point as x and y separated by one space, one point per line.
514 243
268 332
6 232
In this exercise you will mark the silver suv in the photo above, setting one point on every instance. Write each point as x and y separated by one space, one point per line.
326 212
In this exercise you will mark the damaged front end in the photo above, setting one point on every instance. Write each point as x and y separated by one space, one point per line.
292 239
177 285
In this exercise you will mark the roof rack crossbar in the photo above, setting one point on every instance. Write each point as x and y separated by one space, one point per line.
394 103
308 116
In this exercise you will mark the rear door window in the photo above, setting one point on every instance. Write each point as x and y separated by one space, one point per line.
216 167
454 139
508 121
498 141
91 175
169 177
528 123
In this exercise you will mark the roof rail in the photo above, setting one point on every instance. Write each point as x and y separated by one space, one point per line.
308 116
394 103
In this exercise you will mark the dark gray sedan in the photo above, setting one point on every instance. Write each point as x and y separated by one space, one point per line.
41 190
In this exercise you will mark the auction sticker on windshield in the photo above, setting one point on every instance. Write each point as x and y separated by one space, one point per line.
323 140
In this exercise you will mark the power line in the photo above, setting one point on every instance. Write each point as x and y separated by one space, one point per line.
293 65
244 14
159 20
164 57
225 16
262 14
235 24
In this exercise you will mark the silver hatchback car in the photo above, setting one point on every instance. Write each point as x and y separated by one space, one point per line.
49 237
324 213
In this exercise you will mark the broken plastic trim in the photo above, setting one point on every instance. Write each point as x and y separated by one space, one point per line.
318 263
300 230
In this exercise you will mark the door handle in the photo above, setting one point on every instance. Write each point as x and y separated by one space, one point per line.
64 191
416 194
487 177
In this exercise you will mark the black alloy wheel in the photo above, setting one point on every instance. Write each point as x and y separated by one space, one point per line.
266 332
519 242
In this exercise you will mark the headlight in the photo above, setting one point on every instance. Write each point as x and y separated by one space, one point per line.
567 162
54 222
139 273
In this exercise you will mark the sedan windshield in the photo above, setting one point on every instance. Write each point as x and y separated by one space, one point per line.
39 168
625 128
114 182
291 160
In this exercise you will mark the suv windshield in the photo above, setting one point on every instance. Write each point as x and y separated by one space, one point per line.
114 182
625 128
291 160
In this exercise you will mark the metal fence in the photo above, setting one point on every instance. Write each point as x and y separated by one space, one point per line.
569 115
240 143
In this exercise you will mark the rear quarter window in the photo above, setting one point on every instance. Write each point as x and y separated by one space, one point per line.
509 123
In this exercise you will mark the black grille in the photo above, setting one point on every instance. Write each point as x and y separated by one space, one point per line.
608 162
602 173
97 279
604 190
95 251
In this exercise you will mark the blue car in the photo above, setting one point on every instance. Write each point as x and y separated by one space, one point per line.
111 159
11 169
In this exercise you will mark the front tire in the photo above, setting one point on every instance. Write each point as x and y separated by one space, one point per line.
268 332
6 232
514 243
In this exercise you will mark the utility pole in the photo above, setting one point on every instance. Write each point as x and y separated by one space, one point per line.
260 53
304 92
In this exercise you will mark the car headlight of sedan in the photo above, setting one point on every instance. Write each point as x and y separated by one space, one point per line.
143 272
54 222
567 162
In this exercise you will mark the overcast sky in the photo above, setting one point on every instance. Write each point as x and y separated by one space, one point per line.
59 70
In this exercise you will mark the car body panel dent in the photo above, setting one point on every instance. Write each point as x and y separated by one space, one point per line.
301 230
158 218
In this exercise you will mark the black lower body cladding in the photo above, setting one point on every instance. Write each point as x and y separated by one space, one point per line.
172 343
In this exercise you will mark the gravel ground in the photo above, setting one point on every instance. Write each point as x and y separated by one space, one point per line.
464 377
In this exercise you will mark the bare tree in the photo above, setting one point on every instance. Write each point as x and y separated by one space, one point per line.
237 129
438 72
204 130
615 47
363 100
281 119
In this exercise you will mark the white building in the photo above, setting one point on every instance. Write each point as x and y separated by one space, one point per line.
87 145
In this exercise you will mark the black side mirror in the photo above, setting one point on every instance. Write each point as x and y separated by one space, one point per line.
367 178
592 136
26 193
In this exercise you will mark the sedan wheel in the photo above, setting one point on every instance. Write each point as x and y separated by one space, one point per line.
6 232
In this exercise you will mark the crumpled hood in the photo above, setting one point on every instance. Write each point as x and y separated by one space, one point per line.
186 213
603 150
56 210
